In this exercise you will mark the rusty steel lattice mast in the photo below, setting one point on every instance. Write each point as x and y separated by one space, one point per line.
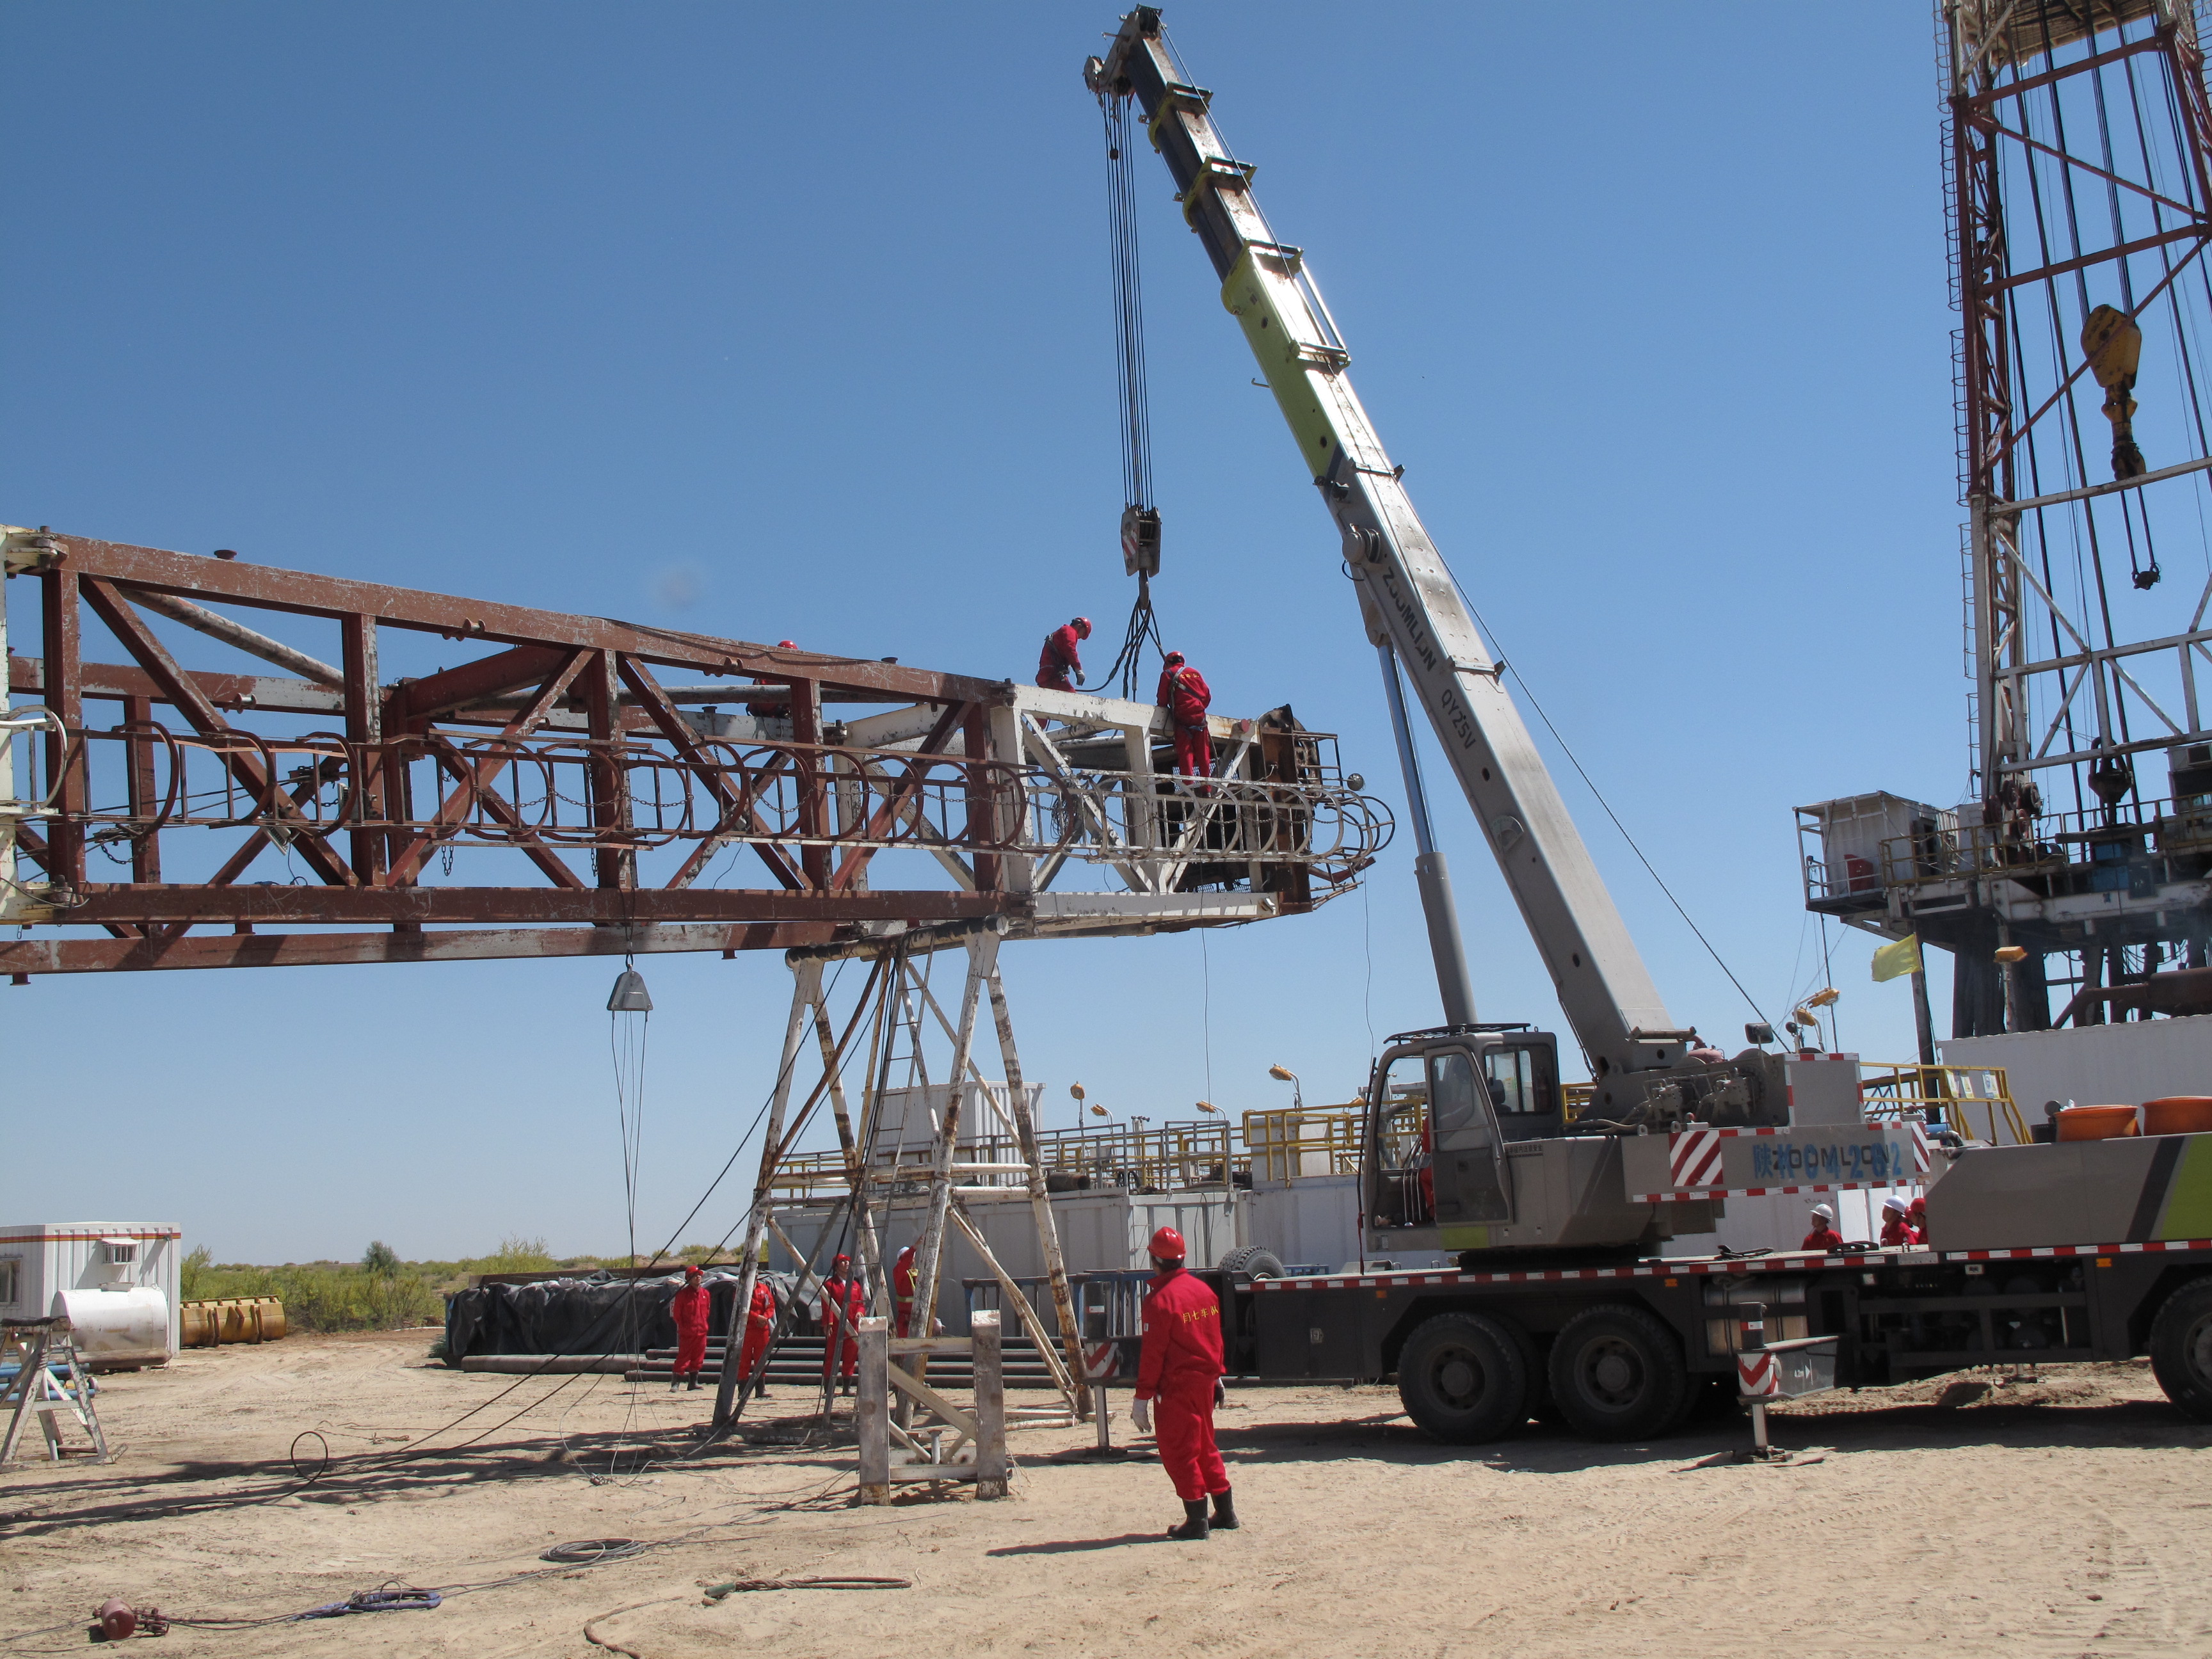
568 747
2081 179
565 744
2079 166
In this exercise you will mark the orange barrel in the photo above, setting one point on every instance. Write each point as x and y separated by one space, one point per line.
2095 1122
2177 1115
201 1325
269 1318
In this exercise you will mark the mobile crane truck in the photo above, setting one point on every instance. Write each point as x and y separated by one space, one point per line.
1560 1302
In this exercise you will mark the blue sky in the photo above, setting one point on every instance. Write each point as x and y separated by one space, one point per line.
792 323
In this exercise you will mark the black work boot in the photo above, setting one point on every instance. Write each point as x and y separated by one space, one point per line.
695 1380
1193 1526
1224 1510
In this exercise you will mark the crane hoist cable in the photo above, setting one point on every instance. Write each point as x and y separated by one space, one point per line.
1140 515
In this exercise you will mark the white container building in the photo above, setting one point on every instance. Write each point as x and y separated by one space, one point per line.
118 1281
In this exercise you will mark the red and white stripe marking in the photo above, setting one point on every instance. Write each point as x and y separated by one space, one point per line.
1756 1375
1694 1159
1784 1261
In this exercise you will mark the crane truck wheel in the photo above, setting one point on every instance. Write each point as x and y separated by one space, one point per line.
1463 1377
2181 1348
1617 1374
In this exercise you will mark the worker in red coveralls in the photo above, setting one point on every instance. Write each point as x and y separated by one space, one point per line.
1824 1235
760 1325
1185 694
844 1304
1181 1368
691 1308
767 710
1916 1213
902 1292
1059 657
1897 1222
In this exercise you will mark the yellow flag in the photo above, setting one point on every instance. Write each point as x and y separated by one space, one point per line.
1893 961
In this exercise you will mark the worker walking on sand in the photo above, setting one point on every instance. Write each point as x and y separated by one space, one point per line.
903 1291
760 1326
1185 694
691 1307
1824 1235
1060 658
1181 1368
844 1304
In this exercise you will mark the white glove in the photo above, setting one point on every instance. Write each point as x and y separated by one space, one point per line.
1078 676
1141 1413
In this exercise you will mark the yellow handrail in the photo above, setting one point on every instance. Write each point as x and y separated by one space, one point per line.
1958 1094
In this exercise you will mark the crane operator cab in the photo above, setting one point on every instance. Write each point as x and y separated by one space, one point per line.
1468 1149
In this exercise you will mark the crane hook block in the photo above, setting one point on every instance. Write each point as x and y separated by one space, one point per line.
1140 541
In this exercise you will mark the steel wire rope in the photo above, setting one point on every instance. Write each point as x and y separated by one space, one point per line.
1132 381
2185 355
2073 408
2074 456
1505 663
2138 573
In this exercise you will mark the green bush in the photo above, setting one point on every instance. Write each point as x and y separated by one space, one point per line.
379 1293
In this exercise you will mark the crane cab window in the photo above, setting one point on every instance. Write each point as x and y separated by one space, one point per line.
1468 1183
1401 1197
1520 1082
1462 1124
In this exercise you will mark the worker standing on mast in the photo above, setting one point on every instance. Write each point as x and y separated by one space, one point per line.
1181 1368
689 1307
1185 694
1060 657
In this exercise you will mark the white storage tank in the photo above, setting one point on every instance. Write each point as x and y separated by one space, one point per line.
117 1327
41 1260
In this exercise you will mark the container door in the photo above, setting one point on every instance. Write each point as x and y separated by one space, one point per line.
1470 1157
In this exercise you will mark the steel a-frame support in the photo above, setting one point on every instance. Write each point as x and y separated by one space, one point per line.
896 996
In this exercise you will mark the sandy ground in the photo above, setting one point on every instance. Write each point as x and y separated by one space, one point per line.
2069 1515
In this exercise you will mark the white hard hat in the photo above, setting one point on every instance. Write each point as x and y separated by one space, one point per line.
1893 1202
1824 1212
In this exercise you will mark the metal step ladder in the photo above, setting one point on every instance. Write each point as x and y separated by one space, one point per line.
39 1346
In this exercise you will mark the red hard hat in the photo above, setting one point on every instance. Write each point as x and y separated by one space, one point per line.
841 1264
691 1270
1083 622
1167 1245
786 645
1173 658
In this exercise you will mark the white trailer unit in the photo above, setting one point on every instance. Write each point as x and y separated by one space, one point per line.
41 1260
2123 1064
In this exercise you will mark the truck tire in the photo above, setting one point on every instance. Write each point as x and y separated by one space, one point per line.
1462 1378
2181 1348
1254 1262
1617 1374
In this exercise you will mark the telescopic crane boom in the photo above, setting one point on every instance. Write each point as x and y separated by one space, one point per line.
1408 601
